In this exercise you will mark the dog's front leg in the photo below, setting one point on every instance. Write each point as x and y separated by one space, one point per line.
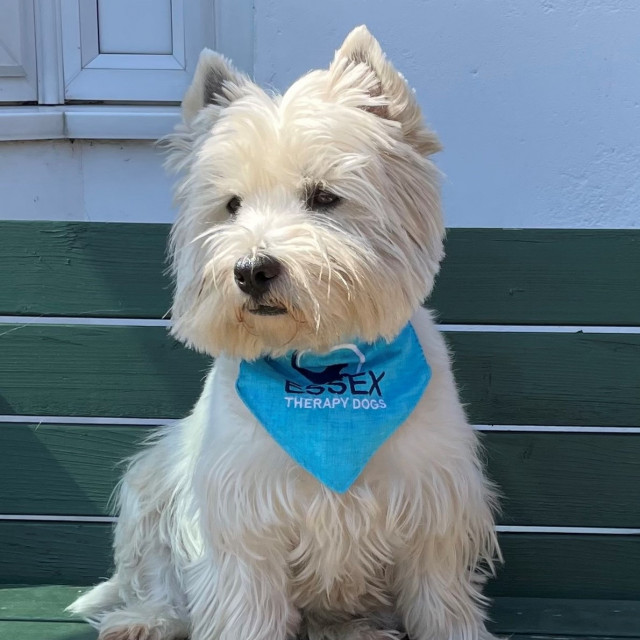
233 596
439 598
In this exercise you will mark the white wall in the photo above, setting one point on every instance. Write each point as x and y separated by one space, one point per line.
537 103
84 180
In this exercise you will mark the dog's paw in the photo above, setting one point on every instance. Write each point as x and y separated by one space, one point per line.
151 628
355 630
131 632
380 634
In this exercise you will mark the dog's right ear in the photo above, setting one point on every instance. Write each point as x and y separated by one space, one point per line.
361 48
215 82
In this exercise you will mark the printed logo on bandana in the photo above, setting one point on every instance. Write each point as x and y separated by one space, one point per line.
337 385
332 411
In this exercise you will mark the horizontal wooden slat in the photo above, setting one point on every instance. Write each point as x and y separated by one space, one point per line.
540 276
547 479
46 631
566 480
568 566
495 276
549 378
80 631
539 616
505 378
54 553
565 636
96 370
549 616
45 602
83 269
61 469
536 565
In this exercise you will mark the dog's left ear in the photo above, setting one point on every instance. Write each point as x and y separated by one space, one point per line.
398 99
215 82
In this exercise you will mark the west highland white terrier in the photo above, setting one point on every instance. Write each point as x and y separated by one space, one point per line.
327 484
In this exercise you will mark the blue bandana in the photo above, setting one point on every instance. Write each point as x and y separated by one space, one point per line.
331 412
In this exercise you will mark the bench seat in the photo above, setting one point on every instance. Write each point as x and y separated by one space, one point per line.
36 613
544 326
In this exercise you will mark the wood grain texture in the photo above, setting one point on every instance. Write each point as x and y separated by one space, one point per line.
44 602
54 552
552 379
566 479
80 631
83 269
97 371
540 276
536 565
539 616
504 378
63 469
602 567
548 616
546 479
564 636
524 276
21 630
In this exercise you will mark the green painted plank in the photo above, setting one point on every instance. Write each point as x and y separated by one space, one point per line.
565 636
548 616
83 269
505 378
549 378
536 565
525 276
547 479
42 602
46 631
539 616
54 552
63 469
566 479
540 276
96 371
601 567
79 631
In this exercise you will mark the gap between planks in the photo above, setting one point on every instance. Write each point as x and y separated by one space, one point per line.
156 422
619 531
491 328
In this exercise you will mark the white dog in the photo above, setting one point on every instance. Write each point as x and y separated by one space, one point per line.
309 234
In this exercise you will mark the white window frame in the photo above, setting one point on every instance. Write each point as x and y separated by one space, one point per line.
52 119
22 76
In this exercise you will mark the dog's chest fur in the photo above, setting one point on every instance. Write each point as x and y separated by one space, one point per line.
340 559
339 547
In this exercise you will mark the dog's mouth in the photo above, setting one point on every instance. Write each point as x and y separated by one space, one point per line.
266 310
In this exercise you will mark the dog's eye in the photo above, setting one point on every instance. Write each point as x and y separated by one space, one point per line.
322 199
233 205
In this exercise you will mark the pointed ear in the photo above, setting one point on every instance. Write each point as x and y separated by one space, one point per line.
360 47
216 81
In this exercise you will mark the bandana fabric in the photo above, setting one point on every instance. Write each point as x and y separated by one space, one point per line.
331 412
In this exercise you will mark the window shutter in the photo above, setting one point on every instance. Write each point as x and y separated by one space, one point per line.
18 80
133 50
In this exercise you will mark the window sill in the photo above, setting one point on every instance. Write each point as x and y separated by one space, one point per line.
99 122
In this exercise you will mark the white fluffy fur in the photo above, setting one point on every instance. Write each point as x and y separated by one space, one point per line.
221 535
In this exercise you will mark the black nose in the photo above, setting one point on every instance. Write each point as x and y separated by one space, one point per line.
255 275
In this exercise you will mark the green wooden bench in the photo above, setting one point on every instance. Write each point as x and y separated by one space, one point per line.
544 325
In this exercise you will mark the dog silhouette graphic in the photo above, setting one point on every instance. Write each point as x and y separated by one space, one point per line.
332 372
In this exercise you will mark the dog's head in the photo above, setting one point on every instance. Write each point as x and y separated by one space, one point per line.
305 219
